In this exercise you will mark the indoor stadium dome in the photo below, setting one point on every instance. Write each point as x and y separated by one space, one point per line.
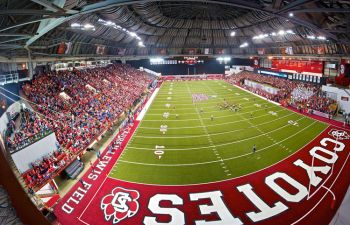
189 112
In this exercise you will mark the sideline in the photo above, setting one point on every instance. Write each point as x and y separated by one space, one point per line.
256 94
148 104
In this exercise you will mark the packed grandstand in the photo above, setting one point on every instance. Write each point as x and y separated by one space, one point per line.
174 112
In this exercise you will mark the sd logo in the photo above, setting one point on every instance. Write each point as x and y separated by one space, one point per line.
120 204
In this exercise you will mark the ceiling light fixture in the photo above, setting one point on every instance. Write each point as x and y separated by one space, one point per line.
75 25
156 60
245 44
226 58
141 44
117 27
281 32
88 26
233 33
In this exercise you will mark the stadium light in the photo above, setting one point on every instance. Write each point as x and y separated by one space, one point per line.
311 37
226 58
110 23
156 60
132 34
321 38
245 44
89 26
141 44
281 32
118 27
291 14
75 25
233 33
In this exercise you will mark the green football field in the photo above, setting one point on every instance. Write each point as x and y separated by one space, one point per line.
205 141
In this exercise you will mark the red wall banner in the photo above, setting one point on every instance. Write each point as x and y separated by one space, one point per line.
342 68
310 66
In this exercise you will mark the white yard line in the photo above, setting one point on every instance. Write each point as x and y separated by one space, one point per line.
228 179
213 147
148 104
228 143
246 103
276 103
190 99
219 124
219 133
249 121
127 144
226 159
93 197
221 116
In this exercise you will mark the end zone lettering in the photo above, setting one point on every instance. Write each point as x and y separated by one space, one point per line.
326 154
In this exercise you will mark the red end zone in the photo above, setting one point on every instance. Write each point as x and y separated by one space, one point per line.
297 190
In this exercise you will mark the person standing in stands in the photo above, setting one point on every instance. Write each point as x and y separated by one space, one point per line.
98 154
57 145
82 182
110 149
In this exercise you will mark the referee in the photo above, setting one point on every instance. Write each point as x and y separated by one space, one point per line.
254 148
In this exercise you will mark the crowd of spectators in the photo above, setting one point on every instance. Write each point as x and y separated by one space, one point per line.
296 93
79 105
43 169
30 128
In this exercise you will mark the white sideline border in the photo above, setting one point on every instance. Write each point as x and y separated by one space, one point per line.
256 95
218 181
148 104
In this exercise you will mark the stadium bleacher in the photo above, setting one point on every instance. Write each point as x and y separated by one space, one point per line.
304 96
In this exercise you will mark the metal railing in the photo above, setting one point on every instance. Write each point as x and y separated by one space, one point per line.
29 141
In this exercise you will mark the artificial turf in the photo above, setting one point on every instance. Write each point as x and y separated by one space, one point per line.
198 149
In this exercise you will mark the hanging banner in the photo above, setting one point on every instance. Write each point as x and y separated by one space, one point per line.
191 51
161 51
220 51
61 48
100 49
68 47
342 68
256 63
121 51
261 51
289 50
320 50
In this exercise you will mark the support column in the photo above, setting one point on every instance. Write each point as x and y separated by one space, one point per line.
30 64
